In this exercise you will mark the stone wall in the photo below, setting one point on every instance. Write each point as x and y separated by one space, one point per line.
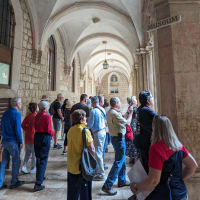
123 89
186 55
33 76
179 65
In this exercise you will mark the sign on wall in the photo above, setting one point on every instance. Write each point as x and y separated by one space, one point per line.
164 22
4 73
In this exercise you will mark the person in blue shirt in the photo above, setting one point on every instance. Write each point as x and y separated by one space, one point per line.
97 124
12 142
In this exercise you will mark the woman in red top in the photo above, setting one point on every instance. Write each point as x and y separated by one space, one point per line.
166 155
28 126
42 141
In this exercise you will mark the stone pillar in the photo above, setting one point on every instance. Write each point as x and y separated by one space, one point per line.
179 68
166 66
136 71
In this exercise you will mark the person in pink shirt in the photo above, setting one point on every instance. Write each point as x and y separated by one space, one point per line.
28 126
42 141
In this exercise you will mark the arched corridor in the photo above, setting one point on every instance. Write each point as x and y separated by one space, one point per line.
105 47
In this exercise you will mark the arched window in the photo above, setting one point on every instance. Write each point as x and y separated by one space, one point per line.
52 64
114 84
113 78
7 27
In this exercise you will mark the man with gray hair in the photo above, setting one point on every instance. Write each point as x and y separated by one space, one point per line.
96 123
117 128
12 142
57 118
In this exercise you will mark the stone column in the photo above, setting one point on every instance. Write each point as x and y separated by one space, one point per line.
142 69
136 69
179 68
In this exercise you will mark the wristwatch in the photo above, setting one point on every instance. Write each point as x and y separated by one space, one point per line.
135 187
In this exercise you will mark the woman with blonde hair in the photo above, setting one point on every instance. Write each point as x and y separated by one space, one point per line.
166 155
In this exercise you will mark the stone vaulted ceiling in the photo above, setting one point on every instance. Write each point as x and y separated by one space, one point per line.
83 25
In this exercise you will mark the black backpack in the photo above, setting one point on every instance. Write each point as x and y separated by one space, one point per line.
88 165
51 108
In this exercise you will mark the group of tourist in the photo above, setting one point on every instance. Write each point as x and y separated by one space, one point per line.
139 134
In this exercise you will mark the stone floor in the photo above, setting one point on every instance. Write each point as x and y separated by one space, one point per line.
56 183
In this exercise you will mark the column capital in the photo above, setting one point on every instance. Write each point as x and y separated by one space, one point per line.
67 69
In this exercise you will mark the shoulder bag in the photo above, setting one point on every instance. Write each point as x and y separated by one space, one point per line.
88 165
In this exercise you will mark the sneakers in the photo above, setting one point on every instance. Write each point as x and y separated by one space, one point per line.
64 153
57 146
33 171
3 187
39 187
24 169
99 178
127 183
105 167
110 192
17 184
133 197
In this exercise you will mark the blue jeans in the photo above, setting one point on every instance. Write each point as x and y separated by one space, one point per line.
78 187
10 149
107 141
42 143
56 124
99 140
118 169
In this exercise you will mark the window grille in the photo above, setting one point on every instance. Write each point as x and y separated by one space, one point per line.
52 64
7 27
73 76
7 24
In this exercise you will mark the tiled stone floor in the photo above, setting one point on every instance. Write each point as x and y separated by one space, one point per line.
56 183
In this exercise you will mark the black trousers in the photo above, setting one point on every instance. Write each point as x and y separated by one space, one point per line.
78 188
42 143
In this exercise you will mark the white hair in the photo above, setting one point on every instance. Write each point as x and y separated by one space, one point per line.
133 98
15 101
43 104
114 101
59 95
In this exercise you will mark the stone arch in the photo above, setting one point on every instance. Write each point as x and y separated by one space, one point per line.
68 13
89 38
123 66
111 51
119 70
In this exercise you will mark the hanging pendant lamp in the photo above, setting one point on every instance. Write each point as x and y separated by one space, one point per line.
105 63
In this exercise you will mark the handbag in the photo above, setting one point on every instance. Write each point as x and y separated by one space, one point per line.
162 191
129 133
88 164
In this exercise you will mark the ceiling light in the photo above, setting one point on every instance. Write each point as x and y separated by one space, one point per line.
105 63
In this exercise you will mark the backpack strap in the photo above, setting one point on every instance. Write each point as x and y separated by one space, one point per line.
101 111
84 137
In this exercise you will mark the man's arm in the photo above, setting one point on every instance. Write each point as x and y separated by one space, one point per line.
91 120
18 129
60 114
